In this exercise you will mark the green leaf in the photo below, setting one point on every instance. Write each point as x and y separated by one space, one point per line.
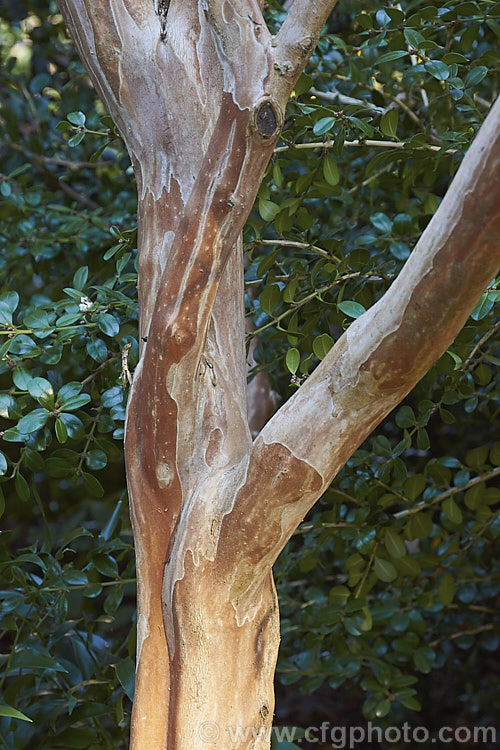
35 658
61 431
339 595
268 210
92 484
475 75
495 454
96 459
303 84
477 457
76 118
98 350
270 298
41 390
414 485
389 123
322 345
125 671
107 531
405 417
446 589
3 464
292 360
384 570
420 525
452 511
5 314
13 713
423 442
390 56
456 359
438 69
408 566
482 308
363 125
277 174
22 487
68 390
394 544
324 125
475 496
423 658
381 222
74 402
413 38
410 702
352 309
108 324
331 171
76 139
289 291
113 600
33 421
105 564
80 278
11 299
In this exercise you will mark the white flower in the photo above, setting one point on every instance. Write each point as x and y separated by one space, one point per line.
85 304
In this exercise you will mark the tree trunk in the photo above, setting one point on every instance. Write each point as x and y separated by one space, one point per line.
198 91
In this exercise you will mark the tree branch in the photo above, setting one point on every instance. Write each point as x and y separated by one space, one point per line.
299 34
365 142
376 362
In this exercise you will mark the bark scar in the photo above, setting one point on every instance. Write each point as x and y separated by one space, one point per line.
162 11
266 120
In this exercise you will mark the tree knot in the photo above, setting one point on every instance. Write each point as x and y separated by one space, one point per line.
267 119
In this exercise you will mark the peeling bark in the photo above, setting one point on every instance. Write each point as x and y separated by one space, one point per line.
198 91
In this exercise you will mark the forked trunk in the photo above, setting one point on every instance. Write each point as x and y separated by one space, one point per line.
198 91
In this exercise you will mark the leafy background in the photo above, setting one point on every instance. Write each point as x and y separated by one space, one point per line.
389 590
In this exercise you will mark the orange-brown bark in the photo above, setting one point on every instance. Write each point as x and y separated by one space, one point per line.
198 91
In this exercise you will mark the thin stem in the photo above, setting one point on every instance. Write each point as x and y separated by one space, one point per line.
366 142
55 160
304 301
448 493
479 344
391 489
293 243
365 575
461 633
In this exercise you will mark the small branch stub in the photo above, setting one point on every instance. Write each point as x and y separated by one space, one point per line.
267 119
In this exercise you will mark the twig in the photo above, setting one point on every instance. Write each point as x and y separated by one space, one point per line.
370 179
414 61
461 633
293 243
55 160
365 574
342 99
448 493
479 344
308 298
367 142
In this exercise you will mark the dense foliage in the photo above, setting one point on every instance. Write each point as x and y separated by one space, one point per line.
391 587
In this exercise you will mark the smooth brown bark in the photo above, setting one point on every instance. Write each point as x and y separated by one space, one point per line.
198 91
